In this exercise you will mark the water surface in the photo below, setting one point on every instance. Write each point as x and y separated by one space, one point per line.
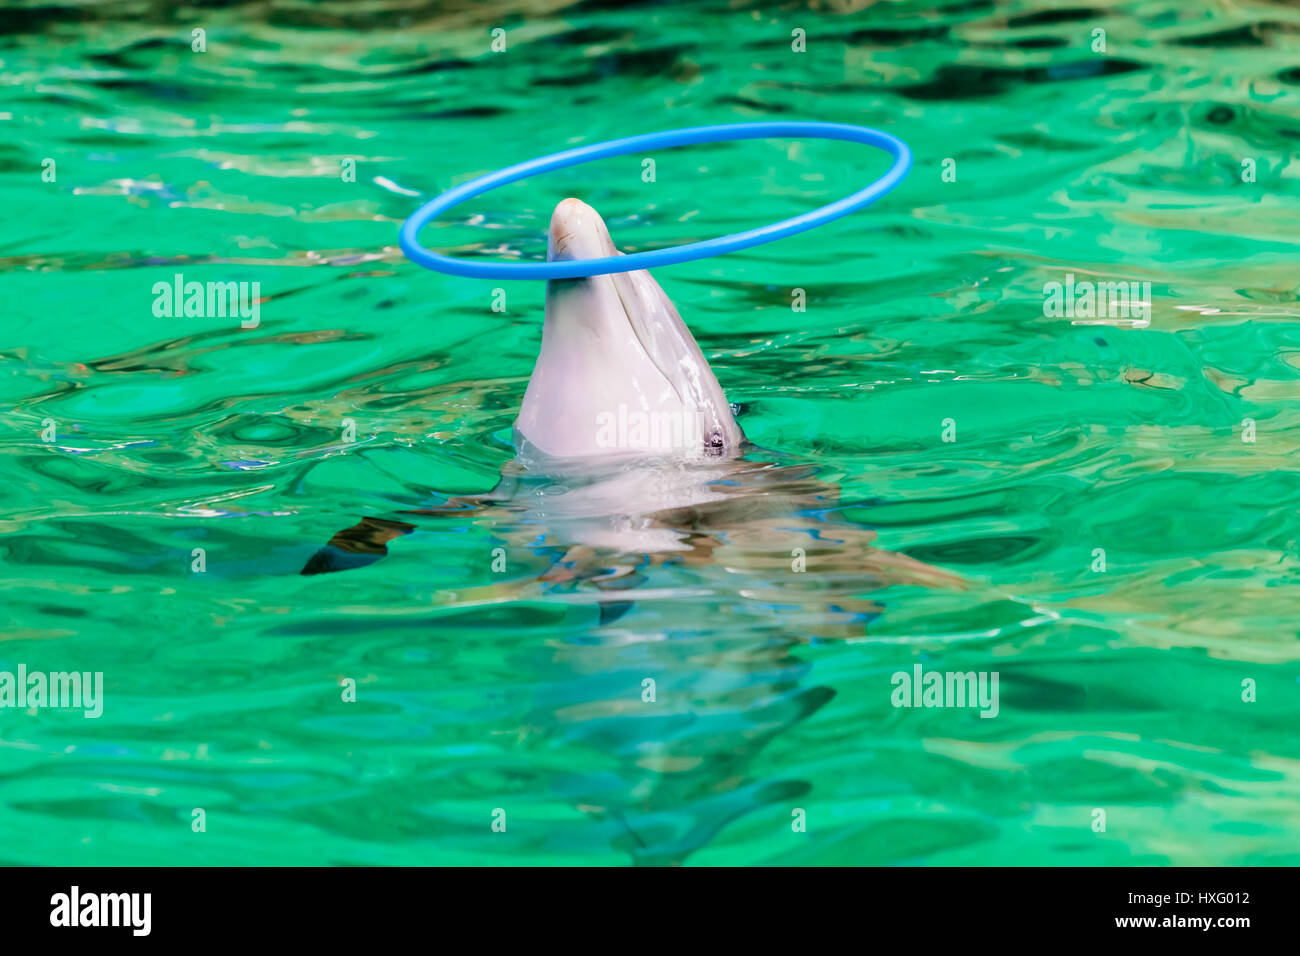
1121 690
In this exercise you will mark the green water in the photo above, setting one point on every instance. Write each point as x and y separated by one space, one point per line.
1076 445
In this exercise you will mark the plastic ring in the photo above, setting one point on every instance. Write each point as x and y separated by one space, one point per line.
578 268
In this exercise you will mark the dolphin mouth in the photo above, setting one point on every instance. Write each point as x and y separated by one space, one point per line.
644 338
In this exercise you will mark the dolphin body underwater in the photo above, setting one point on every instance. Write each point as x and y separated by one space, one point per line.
599 501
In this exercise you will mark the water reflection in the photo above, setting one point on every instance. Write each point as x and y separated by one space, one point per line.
703 579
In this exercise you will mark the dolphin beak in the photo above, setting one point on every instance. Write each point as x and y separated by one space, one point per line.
578 232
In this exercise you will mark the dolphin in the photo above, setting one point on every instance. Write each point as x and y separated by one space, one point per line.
624 415
633 486
614 348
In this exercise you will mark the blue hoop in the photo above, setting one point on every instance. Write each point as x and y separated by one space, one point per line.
579 268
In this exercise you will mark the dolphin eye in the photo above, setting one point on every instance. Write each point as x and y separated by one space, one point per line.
715 445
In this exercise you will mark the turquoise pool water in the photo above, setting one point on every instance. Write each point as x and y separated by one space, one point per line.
1126 557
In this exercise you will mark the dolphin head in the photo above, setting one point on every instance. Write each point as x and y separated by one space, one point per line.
619 374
